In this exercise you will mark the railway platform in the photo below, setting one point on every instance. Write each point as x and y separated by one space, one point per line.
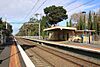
11 55
80 46
47 49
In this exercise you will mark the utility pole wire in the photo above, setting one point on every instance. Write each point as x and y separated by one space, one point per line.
31 10
81 5
44 3
36 9
39 7
71 3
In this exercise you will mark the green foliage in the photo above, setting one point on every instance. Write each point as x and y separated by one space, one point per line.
76 17
1 24
81 25
93 21
70 22
7 31
43 25
55 14
30 28
94 24
90 21
67 25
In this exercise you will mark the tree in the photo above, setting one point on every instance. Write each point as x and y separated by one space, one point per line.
43 25
55 14
32 19
1 24
92 18
94 25
80 24
90 21
70 22
9 29
76 17
98 22
67 25
30 28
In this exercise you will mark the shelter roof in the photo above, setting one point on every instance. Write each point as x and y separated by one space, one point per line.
85 31
59 28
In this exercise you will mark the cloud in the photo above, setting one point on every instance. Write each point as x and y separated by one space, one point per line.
16 10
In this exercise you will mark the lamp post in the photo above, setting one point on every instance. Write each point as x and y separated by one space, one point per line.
89 33
39 24
84 18
34 23
84 23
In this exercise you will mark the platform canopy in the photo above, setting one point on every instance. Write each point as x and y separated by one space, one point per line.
59 28
85 30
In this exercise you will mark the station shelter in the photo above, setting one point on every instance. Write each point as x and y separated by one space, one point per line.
58 33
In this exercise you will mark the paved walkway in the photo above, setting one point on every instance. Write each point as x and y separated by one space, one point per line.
81 46
14 58
9 56
5 56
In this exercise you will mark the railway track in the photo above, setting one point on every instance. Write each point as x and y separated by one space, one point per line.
70 60
46 63
73 59
35 57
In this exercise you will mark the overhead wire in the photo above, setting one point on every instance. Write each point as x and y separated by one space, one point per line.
95 6
31 10
66 6
40 6
71 3
81 5
27 14
46 0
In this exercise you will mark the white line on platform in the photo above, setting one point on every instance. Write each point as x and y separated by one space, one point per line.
26 59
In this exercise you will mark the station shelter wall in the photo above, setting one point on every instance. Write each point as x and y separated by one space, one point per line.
60 35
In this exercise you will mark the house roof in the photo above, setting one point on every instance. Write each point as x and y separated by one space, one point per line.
59 28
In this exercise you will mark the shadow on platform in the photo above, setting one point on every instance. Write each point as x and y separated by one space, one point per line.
9 57
25 46
3 47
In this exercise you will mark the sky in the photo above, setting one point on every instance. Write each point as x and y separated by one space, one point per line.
16 12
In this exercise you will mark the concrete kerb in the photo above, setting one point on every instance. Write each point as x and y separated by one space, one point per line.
25 58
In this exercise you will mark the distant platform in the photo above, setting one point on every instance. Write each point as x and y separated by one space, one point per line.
80 46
